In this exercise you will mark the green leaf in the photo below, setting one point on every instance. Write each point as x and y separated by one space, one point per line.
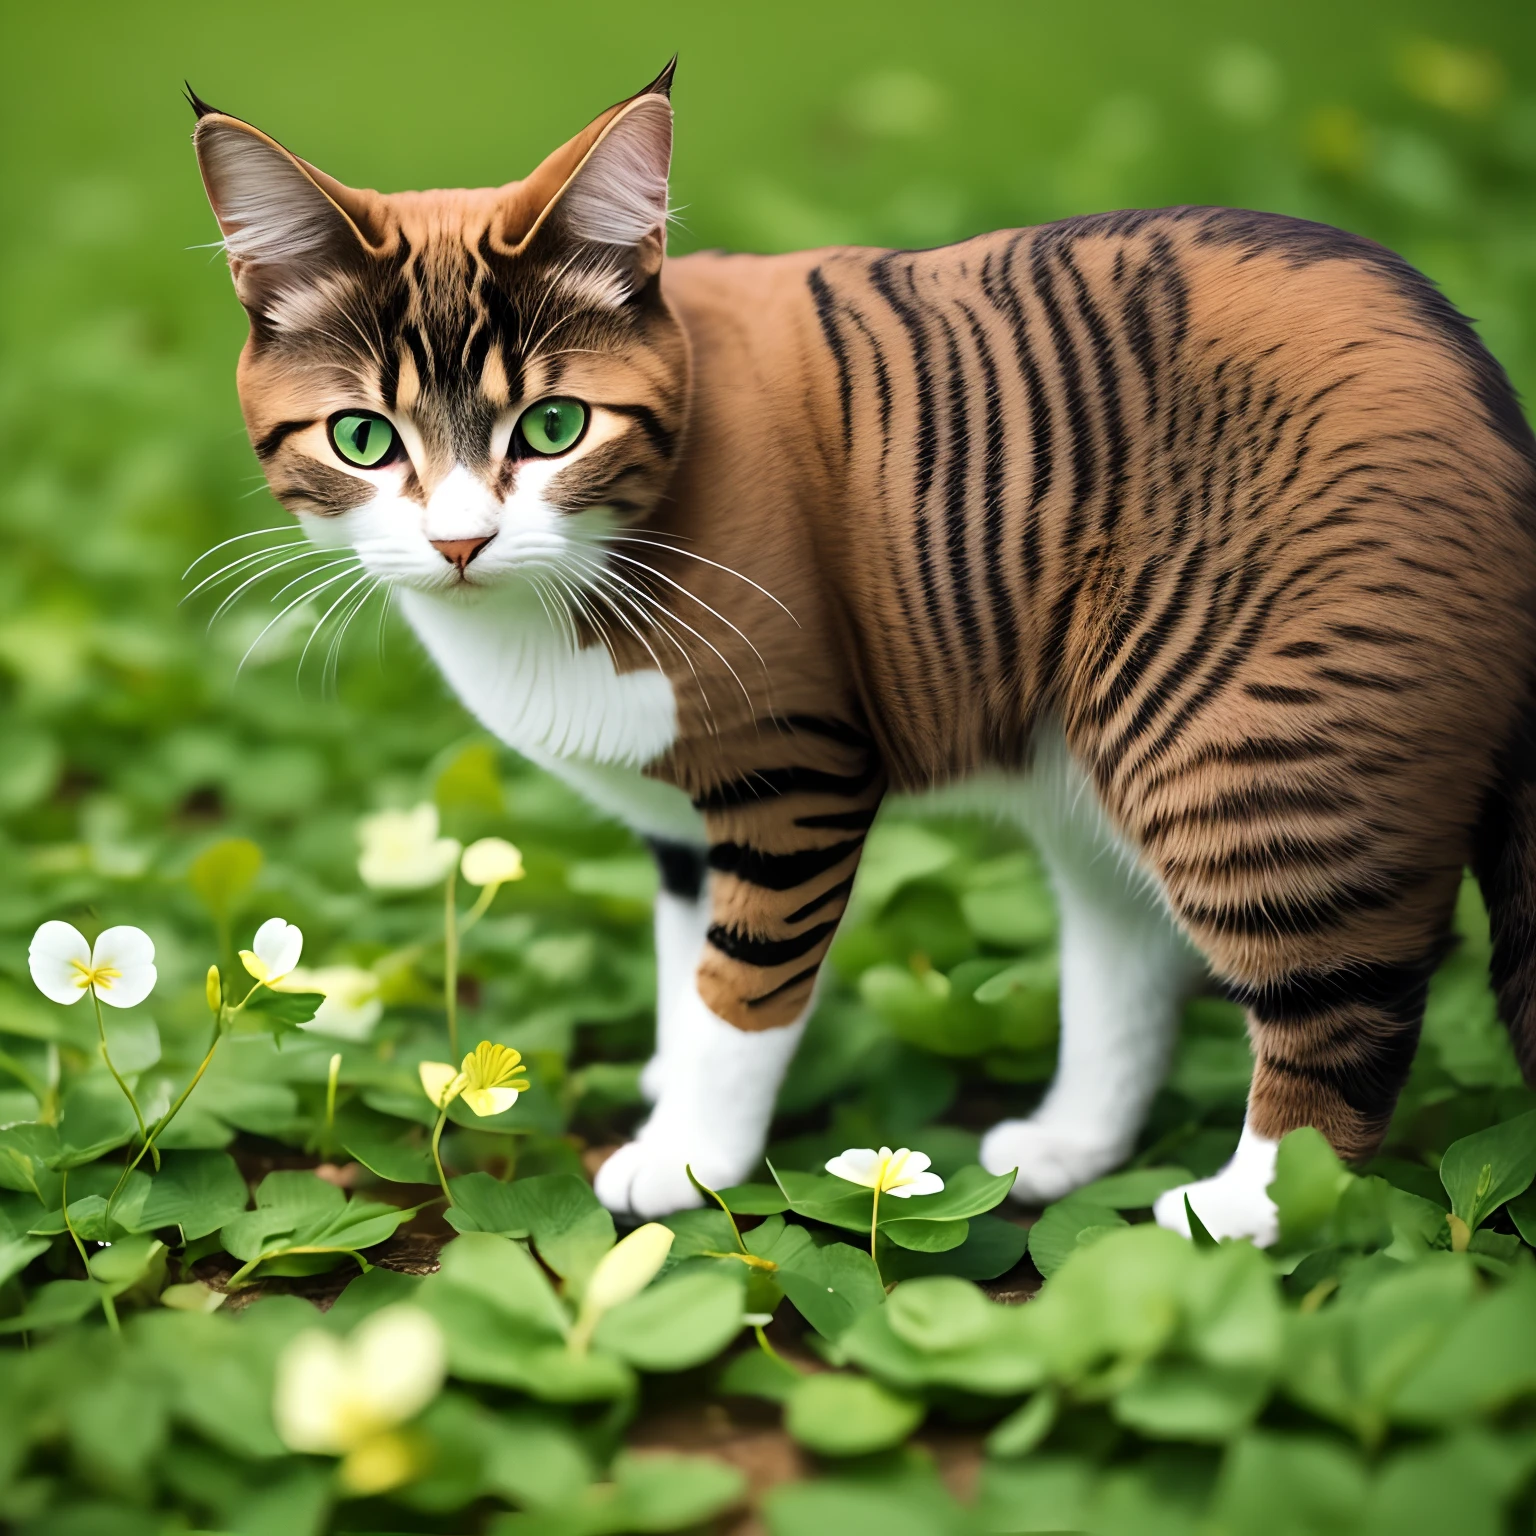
1065 1225
196 1191
1522 1211
827 1199
400 1153
991 1248
17 1251
569 1227
926 1236
27 1152
839 1415
830 1285
1480 1172
1185 1400
676 1323
969 1192
897 853
222 875
1309 1179
1133 1190
1026 1427
1199 1233
299 1214
754 1199
96 1119
1293 1485
282 1011
55 1305
755 1374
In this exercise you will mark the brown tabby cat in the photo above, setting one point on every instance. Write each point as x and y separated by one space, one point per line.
1201 542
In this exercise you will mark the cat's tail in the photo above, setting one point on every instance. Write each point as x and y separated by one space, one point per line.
1505 864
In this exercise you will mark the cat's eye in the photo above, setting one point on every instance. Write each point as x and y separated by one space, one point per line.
364 439
553 426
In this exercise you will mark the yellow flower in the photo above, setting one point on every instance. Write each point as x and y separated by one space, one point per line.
486 1080
491 861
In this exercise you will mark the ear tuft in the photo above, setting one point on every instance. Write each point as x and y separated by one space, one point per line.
662 84
196 102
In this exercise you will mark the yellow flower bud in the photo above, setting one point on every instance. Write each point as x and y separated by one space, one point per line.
621 1274
214 990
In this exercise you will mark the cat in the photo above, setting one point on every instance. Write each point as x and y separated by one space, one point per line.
1199 543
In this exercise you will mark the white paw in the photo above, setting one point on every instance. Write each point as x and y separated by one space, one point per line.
1050 1163
1234 1202
646 1179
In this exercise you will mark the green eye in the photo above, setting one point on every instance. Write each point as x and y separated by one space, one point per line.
553 426
364 439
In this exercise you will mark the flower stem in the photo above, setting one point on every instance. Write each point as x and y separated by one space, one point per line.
133 1103
330 1100
437 1136
874 1216
482 905
770 1351
451 964
170 1114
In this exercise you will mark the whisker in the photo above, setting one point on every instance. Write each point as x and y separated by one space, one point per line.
347 559
333 655
321 625
255 533
240 563
661 576
330 581
250 581
631 538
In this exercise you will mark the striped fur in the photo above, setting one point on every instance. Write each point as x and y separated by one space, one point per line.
1238 502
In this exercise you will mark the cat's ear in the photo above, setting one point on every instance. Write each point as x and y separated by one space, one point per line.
284 223
606 188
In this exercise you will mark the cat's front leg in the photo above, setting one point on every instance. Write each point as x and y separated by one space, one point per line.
682 920
784 838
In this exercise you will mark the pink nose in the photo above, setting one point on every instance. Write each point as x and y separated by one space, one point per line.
460 552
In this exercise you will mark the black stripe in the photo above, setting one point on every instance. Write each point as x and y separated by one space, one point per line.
1370 682
955 509
882 382
1297 918
1249 804
839 821
660 437
1371 1079
816 903
823 725
273 440
1005 630
1392 989
1078 415
1278 693
772 783
783 986
1108 394
821 296
766 953
682 867
779 871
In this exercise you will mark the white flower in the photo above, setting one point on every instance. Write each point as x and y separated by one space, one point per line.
274 951
402 851
119 969
352 1004
346 1398
491 861
900 1173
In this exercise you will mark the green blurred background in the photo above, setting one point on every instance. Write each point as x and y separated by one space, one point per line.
126 740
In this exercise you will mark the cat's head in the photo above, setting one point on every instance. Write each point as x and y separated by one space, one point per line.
465 387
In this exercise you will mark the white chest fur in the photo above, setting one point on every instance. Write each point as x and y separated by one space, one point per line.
525 681
568 710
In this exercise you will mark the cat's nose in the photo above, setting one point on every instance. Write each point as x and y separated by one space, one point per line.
460 552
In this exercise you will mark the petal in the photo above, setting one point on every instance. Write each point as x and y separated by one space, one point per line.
491 861
859 1165
926 1184
399 1360
253 965
628 1267
438 1079
131 952
309 1402
489 1101
916 1162
58 959
279 944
